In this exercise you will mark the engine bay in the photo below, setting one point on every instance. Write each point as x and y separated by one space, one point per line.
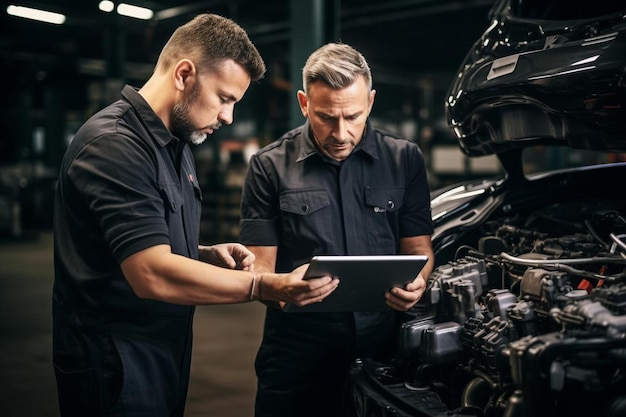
528 319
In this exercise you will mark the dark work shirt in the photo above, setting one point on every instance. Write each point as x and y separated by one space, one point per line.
125 184
307 204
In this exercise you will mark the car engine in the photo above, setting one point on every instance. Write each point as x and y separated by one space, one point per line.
529 319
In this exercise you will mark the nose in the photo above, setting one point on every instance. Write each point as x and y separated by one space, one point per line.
226 115
341 129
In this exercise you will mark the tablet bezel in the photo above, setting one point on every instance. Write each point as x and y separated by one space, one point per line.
363 280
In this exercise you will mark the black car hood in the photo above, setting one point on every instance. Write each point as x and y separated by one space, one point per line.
533 80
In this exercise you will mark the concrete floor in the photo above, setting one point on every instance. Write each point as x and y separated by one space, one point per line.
226 338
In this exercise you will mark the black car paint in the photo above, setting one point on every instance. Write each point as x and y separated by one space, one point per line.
528 81
452 364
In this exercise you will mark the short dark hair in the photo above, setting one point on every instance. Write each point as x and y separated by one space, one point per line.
208 40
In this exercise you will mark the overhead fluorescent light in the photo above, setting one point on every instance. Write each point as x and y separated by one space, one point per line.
134 11
36 14
106 6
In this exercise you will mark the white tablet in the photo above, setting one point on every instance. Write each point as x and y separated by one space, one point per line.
363 280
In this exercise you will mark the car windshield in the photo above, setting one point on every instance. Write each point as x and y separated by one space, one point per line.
539 159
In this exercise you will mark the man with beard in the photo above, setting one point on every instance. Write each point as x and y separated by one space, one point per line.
128 265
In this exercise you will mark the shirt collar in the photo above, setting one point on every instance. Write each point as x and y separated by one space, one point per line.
308 148
148 117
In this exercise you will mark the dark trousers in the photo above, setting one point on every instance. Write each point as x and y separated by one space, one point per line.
303 364
121 367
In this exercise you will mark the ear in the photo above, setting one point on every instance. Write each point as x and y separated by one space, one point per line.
183 71
303 101
371 101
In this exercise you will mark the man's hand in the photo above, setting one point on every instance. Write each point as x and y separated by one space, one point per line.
293 289
402 299
228 255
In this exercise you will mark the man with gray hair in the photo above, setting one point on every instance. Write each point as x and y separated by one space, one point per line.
333 186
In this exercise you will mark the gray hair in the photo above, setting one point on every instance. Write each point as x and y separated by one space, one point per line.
337 65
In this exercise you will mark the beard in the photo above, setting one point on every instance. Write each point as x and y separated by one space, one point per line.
181 126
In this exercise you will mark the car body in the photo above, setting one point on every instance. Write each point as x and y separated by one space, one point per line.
546 81
525 312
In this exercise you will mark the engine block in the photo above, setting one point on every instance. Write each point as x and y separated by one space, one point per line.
529 322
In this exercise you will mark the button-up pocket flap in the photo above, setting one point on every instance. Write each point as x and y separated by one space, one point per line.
384 199
304 202
173 196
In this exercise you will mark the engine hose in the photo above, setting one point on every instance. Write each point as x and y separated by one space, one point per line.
564 265
542 262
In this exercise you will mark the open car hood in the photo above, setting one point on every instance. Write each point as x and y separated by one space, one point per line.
551 77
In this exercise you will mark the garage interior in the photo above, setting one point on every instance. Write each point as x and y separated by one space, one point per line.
58 75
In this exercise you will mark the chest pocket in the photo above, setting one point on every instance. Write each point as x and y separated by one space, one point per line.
183 216
304 202
306 223
382 210
173 212
173 198
384 199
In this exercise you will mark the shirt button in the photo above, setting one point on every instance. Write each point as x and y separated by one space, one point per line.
305 208
390 204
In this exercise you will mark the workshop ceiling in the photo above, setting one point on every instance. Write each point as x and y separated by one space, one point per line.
400 38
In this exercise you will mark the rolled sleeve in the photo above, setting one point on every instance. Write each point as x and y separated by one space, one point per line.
258 232
419 224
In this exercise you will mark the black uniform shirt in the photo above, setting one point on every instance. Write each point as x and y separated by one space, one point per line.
308 204
125 184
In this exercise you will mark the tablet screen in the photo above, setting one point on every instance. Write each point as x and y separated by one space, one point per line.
363 280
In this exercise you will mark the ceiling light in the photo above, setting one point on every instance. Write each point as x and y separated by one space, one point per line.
36 14
134 11
106 6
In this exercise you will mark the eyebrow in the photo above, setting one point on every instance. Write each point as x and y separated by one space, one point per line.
322 114
229 97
